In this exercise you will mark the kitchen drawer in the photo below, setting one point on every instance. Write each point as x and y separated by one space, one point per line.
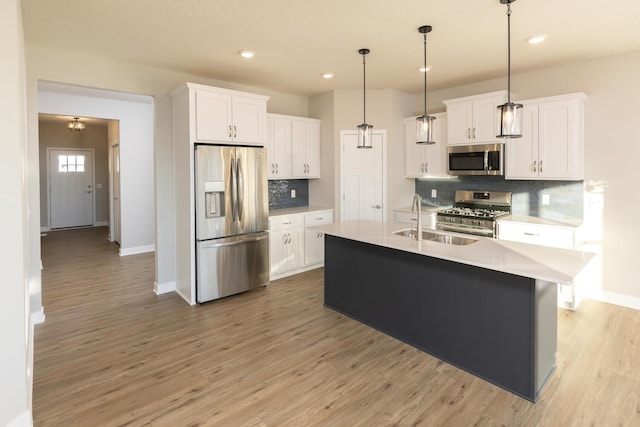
285 222
318 218
558 237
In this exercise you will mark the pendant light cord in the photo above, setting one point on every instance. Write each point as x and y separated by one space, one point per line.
364 88
509 52
425 74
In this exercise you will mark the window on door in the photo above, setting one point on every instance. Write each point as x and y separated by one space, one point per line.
70 163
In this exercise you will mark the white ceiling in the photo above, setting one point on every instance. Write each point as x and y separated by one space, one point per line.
298 40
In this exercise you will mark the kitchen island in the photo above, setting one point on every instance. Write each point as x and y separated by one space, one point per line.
488 307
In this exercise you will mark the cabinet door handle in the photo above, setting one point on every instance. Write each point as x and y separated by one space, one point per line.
474 133
468 133
277 169
540 165
230 132
235 131
426 167
535 169
526 233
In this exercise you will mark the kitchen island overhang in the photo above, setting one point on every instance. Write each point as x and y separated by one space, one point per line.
494 323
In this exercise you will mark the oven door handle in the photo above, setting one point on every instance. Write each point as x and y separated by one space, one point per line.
465 230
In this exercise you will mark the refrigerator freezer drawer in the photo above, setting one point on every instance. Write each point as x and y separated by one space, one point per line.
231 265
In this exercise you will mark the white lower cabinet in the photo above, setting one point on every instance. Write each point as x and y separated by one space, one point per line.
566 237
293 247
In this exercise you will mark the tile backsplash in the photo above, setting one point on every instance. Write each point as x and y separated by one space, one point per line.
280 193
566 198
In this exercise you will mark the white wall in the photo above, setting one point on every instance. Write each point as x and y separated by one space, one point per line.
15 333
611 151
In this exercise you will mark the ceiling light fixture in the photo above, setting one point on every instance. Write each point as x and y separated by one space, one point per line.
538 38
510 113
248 54
327 76
76 125
425 69
364 130
424 123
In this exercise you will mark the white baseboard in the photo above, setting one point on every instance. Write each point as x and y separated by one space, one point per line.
137 250
164 288
44 229
38 316
24 420
101 223
615 299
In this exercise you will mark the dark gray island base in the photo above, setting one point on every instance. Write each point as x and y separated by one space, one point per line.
498 326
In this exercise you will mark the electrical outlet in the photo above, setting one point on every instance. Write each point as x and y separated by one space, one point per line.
293 194
434 193
546 199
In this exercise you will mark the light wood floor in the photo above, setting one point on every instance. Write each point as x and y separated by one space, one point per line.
111 353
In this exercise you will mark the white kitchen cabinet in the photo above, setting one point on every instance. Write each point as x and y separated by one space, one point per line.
406 216
557 236
552 143
426 161
225 116
305 148
285 243
279 147
314 240
293 149
474 119
295 248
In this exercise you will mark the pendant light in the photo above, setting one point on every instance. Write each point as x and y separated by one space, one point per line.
76 125
364 130
424 124
510 113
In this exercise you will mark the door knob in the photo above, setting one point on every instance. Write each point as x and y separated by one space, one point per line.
376 206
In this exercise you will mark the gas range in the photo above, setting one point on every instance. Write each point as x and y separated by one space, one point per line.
475 212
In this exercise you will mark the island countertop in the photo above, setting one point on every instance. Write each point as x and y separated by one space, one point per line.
522 259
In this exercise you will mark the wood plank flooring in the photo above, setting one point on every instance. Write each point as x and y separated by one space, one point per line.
113 353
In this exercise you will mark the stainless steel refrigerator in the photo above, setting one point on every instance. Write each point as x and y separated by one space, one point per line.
232 219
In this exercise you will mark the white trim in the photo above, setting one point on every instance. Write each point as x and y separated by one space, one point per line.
164 288
101 224
45 229
38 316
23 420
615 299
137 250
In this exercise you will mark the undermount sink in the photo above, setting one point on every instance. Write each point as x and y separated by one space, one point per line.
447 239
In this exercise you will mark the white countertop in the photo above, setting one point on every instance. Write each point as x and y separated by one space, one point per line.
301 209
537 262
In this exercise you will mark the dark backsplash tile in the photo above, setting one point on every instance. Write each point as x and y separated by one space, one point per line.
280 193
566 197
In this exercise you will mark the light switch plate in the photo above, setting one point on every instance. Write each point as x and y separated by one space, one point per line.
293 194
434 193
546 199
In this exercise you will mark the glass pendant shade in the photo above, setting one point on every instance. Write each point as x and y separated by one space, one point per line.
424 130
365 137
510 120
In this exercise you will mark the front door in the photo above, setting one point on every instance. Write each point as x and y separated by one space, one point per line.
71 198
362 177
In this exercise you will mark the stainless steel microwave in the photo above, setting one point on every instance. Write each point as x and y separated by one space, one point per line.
482 159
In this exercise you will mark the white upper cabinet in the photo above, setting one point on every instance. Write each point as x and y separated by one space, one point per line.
552 143
305 148
426 161
293 149
474 119
226 116
279 147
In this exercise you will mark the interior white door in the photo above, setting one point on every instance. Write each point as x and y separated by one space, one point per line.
116 193
71 197
362 177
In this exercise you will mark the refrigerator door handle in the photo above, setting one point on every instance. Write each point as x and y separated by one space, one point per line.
240 189
236 241
234 191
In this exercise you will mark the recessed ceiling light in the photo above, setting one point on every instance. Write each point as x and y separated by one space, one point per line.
538 38
423 69
327 75
247 54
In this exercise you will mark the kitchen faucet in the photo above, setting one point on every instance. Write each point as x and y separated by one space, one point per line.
416 204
